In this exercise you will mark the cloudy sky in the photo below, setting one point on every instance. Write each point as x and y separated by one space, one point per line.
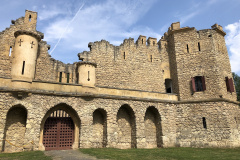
70 25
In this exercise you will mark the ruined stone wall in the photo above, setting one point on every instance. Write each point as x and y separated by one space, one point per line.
129 66
48 69
7 40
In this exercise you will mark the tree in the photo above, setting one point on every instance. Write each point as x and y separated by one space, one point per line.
236 79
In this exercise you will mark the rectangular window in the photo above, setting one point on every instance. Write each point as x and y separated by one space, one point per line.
187 49
199 49
204 122
60 77
198 83
68 77
77 78
124 55
23 67
168 85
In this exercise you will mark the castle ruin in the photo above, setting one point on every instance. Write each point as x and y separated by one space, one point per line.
175 92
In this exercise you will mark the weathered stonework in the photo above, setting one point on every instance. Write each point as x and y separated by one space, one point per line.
143 94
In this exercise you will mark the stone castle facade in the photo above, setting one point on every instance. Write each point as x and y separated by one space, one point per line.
175 92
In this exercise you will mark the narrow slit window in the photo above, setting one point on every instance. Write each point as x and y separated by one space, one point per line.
204 122
88 76
142 41
60 77
199 49
124 55
151 58
10 51
68 77
77 78
153 43
187 49
23 67
30 18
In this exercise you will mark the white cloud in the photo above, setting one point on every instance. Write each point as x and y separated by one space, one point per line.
109 20
233 43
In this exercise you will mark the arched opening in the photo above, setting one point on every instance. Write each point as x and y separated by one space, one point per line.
15 129
60 129
126 127
99 129
153 129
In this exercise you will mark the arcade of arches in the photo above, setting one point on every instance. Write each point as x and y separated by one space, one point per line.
61 128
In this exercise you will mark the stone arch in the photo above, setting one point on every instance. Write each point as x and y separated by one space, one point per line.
15 128
75 118
153 129
99 139
126 127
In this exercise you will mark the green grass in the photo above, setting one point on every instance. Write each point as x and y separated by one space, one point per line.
165 154
30 155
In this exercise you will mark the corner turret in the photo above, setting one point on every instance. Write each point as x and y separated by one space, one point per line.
25 55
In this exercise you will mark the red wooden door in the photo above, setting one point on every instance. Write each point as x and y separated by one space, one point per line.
58 133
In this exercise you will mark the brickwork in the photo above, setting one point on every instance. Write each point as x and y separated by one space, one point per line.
176 92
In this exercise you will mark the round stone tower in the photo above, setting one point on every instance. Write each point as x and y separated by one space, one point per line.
25 55
86 73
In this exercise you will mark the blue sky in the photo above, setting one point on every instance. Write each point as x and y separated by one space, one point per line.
70 25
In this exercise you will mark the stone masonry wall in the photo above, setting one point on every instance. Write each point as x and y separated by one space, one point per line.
218 133
130 66
205 62
181 123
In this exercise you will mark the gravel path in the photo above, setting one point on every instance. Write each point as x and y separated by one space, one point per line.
68 155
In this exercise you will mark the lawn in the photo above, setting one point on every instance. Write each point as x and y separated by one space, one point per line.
165 154
30 155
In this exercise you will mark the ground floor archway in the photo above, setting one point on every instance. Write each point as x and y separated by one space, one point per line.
58 133
60 129
15 128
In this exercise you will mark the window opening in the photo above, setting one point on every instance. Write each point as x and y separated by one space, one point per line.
151 58
153 43
88 76
142 41
124 55
23 67
168 85
10 51
187 49
199 49
204 122
60 77
198 83
67 77
30 17
77 78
